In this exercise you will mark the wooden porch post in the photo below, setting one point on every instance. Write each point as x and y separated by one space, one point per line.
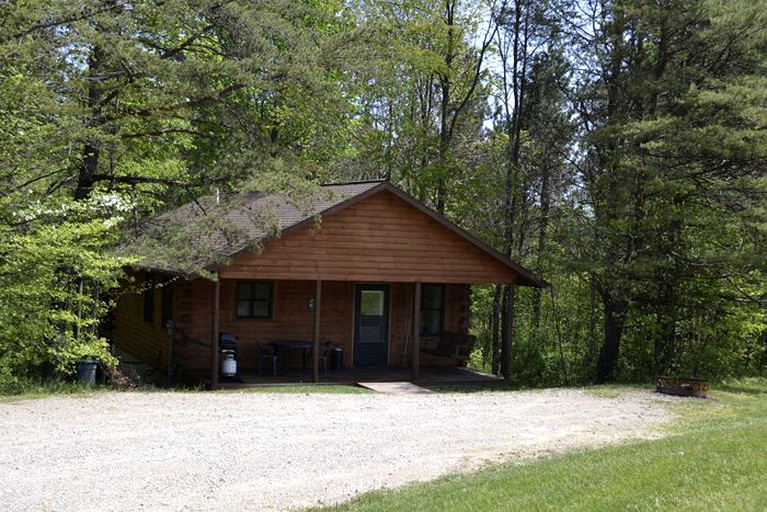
508 332
416 329
316 347
214 334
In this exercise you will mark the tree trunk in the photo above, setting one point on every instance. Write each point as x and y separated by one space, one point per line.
92 148
665 350
445 106
542 238
615 318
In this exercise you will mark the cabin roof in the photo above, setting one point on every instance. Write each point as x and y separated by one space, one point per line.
236 223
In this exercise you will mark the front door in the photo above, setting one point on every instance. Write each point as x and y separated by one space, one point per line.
371 325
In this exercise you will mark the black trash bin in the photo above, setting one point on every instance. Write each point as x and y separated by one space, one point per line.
337 361
86 372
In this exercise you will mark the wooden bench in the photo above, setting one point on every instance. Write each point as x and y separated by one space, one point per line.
455 345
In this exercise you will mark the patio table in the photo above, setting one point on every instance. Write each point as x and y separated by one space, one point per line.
285 346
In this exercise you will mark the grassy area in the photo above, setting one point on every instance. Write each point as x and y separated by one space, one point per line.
19 390
715 458
31 390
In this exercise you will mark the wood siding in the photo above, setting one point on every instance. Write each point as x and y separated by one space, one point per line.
379 239
147 341
292 319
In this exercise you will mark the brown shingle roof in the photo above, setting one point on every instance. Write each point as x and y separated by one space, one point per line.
258 215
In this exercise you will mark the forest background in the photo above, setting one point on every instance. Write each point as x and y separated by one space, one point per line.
618 148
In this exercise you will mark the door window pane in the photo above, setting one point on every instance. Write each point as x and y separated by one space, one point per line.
372 303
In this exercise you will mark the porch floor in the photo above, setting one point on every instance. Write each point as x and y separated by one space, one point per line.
436 376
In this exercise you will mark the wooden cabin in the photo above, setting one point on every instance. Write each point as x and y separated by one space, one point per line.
363 266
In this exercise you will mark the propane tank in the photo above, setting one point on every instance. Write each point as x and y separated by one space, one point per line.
228 363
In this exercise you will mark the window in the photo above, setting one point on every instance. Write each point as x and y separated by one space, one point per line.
254 299
372 303
432 309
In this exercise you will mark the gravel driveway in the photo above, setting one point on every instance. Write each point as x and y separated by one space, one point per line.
205 451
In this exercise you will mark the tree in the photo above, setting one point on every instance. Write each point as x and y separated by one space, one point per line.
55 273
423 95
530 72
139 104
660 157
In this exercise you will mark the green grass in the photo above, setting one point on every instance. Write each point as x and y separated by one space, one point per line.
612 390
714 458
29 389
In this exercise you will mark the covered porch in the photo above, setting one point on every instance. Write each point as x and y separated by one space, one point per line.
333 331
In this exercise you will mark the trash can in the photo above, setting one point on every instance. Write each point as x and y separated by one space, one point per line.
86 372
337 361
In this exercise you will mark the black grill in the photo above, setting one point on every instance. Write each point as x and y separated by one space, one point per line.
227 341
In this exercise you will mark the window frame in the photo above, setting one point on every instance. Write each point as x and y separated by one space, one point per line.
253 300
440 310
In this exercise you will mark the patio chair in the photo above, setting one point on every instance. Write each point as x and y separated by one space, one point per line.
269 352
326 350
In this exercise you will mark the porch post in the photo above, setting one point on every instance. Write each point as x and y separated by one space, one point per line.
416 329
316 348
507 340
214 334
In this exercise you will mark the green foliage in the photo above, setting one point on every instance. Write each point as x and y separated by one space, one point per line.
421 97
54 278
671 209
130 109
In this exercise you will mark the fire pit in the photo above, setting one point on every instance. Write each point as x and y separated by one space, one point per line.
682 387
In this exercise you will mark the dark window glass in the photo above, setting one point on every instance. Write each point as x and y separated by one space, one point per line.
432 309
254 299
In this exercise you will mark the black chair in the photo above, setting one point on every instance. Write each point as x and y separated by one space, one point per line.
324 354
326 351
268 352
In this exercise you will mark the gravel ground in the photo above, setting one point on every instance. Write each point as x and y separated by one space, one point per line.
204 451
